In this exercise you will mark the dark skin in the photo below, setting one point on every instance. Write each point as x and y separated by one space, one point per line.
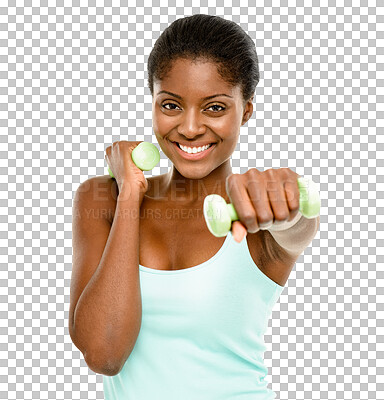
172 221
180 114
187 118
193 120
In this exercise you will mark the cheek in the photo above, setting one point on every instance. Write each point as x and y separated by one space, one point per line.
227 124
157 122
161 124
228 128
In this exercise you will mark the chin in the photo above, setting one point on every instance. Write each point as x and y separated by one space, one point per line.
192 173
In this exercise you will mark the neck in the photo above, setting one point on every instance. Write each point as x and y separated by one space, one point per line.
191 191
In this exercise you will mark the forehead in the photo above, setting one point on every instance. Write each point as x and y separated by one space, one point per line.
187 77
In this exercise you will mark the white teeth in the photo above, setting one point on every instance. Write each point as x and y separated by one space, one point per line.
193 150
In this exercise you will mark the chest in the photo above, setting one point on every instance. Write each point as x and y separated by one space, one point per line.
174 238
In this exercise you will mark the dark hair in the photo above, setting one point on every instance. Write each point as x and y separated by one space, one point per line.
209 38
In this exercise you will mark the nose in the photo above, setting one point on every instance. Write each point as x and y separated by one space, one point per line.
191 124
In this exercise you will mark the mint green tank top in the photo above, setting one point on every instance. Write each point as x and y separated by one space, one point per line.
202 332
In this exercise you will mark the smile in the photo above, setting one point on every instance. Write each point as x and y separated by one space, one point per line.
193 153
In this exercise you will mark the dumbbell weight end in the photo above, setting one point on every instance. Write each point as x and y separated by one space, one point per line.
145 156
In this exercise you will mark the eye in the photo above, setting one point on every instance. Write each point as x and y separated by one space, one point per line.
173 106
168 104
217 105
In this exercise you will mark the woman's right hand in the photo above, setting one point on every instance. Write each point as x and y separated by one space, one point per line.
125 171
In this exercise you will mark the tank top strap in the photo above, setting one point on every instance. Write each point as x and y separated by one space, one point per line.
241 256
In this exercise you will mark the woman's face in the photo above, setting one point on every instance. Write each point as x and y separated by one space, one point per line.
194 106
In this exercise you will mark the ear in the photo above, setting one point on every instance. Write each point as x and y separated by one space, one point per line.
248 110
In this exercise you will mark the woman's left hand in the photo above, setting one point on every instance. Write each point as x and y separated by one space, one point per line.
263 199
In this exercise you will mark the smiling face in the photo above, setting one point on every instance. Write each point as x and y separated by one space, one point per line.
194 106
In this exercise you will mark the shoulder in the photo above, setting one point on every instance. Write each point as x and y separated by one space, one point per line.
97 194
100 194
273 260
95 182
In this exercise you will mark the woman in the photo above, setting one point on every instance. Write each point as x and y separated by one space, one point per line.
159 306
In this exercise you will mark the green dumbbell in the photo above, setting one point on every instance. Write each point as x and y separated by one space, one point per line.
219 215
145 156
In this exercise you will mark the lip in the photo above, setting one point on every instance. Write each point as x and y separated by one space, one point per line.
193 144
196 156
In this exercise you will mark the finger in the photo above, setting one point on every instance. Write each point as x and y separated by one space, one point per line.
292 194
107 160
260 201
239 231
238 194
278 201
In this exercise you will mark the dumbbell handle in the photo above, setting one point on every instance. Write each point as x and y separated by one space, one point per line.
145 156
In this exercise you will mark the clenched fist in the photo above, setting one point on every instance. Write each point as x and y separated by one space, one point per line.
263 199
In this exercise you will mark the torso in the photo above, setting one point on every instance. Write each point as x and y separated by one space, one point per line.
176 237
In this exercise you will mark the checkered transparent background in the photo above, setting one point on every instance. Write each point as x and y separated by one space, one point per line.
73 80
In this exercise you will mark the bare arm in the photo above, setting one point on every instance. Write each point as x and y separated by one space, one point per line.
105 312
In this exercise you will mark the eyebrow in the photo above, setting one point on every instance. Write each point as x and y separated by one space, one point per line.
205 98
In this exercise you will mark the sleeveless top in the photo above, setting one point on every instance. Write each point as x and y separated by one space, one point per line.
202 332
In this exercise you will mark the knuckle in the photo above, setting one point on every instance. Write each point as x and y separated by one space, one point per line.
231 177
254 175
253 178
249 218
290 174
281 216
253 172
265 219
296 206
231 182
